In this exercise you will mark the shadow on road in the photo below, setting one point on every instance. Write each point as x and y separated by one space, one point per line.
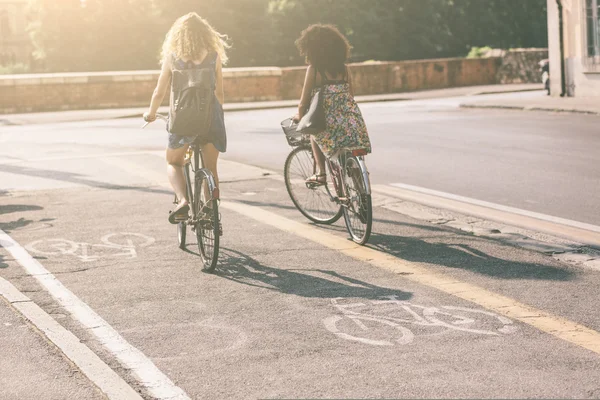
241 268
2 263
12 208
465 257
437 251
21 222
74 178
265 204
13 225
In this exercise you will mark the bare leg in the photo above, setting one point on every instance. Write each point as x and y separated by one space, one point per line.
319 156
175 160
210 155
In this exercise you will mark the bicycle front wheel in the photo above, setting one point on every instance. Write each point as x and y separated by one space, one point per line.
314 201
206 210
358 212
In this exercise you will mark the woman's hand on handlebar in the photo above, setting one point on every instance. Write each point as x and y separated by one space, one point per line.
149 117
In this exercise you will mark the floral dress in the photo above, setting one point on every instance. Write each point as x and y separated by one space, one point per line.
345 126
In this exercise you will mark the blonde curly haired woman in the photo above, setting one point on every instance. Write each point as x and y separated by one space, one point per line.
192 43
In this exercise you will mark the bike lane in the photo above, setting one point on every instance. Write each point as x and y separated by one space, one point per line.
285 316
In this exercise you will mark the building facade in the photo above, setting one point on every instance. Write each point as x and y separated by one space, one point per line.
15 44
574 55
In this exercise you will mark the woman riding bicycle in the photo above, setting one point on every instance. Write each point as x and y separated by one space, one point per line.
326 51
192 43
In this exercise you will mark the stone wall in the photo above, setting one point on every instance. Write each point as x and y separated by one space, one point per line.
51 92
521 66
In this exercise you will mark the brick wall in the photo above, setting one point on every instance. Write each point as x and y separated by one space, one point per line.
50 92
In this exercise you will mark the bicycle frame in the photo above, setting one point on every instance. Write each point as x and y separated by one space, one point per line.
336 176
194 152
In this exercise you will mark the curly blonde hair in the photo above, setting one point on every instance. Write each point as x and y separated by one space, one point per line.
190 36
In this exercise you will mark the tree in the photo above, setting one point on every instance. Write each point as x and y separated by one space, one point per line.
97 35
71 35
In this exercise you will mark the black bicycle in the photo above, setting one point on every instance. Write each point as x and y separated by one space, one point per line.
204 217
347 191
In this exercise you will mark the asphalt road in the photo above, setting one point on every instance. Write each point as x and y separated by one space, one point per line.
541 162
294 310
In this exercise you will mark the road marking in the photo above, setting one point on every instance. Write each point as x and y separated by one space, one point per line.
392 312
143 369
574 230
101 375
554 325
87 252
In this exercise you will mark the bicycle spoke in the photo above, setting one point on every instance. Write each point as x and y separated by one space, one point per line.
314 201
357 210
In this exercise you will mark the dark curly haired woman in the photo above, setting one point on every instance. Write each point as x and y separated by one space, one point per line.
326 51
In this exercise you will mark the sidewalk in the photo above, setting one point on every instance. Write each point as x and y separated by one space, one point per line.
543 102
91 115
34 368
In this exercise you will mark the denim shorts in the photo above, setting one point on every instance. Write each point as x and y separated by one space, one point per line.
177 142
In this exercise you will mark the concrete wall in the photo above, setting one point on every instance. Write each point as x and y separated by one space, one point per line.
49 92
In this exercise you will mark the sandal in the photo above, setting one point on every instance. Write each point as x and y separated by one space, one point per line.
317 179
181 213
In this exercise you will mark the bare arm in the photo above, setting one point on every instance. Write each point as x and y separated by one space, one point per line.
309 84
160 91
349 77
220 93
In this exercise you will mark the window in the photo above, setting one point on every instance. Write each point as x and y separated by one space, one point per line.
592 34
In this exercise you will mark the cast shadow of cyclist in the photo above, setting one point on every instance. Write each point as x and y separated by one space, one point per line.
317 283
446 252
20 222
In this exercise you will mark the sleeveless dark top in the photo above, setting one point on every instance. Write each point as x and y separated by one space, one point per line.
216 133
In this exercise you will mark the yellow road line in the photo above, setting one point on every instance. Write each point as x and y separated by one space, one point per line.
557 326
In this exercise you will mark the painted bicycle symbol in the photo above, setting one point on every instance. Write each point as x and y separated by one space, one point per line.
121 244
384 322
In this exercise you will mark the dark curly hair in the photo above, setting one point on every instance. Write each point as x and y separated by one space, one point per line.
325 47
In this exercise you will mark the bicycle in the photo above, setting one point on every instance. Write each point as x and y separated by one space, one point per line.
203 195
347 192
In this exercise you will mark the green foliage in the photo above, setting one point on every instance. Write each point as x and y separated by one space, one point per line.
102 35
479 52
127 34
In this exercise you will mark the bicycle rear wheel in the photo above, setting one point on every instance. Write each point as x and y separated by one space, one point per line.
314 201
358 212
206 210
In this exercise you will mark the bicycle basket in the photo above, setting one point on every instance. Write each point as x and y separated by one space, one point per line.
294 138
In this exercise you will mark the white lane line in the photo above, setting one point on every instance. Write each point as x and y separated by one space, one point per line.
499 207
576 231
158 385
107 380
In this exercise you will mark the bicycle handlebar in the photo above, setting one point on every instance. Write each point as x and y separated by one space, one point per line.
158 116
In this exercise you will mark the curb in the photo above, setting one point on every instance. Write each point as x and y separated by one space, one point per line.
254 106
511 91
131 112
530 108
